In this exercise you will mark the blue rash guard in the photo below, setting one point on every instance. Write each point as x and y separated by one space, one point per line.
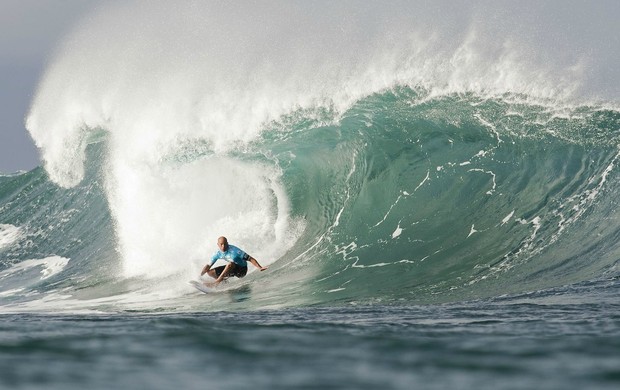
232 254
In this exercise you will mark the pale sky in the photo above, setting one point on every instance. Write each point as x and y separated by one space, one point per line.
29 31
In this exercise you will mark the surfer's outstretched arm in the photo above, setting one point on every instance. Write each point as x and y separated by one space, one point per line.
255 264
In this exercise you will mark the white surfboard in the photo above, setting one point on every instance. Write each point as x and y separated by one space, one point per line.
201 286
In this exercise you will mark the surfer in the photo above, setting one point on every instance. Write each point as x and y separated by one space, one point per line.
237 262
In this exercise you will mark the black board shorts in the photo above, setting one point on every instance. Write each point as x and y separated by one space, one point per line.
237 271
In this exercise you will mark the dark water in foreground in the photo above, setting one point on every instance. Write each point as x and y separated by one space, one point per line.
562 339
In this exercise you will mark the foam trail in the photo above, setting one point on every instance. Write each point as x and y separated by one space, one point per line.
211 75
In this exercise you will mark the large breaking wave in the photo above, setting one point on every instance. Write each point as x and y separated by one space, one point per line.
366 158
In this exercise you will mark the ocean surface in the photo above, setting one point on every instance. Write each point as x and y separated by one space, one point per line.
427 223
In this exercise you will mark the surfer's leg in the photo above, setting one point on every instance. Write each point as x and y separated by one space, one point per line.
239 271
216 272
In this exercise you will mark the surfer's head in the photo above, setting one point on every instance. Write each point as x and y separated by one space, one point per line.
222 243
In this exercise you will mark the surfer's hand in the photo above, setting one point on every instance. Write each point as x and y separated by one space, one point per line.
263 268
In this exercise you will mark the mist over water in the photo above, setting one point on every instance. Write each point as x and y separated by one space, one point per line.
218 72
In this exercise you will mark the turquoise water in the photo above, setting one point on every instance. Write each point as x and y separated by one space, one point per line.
437 207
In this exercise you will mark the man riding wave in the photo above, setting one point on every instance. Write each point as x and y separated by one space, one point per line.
237 262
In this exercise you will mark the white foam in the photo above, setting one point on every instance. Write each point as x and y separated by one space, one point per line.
11 292
397 232
50 266
508 217
169 219
492 190
8 235
472 231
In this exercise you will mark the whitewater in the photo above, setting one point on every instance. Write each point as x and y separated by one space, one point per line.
428 190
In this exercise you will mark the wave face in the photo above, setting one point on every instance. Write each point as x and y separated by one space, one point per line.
361 163
455 197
